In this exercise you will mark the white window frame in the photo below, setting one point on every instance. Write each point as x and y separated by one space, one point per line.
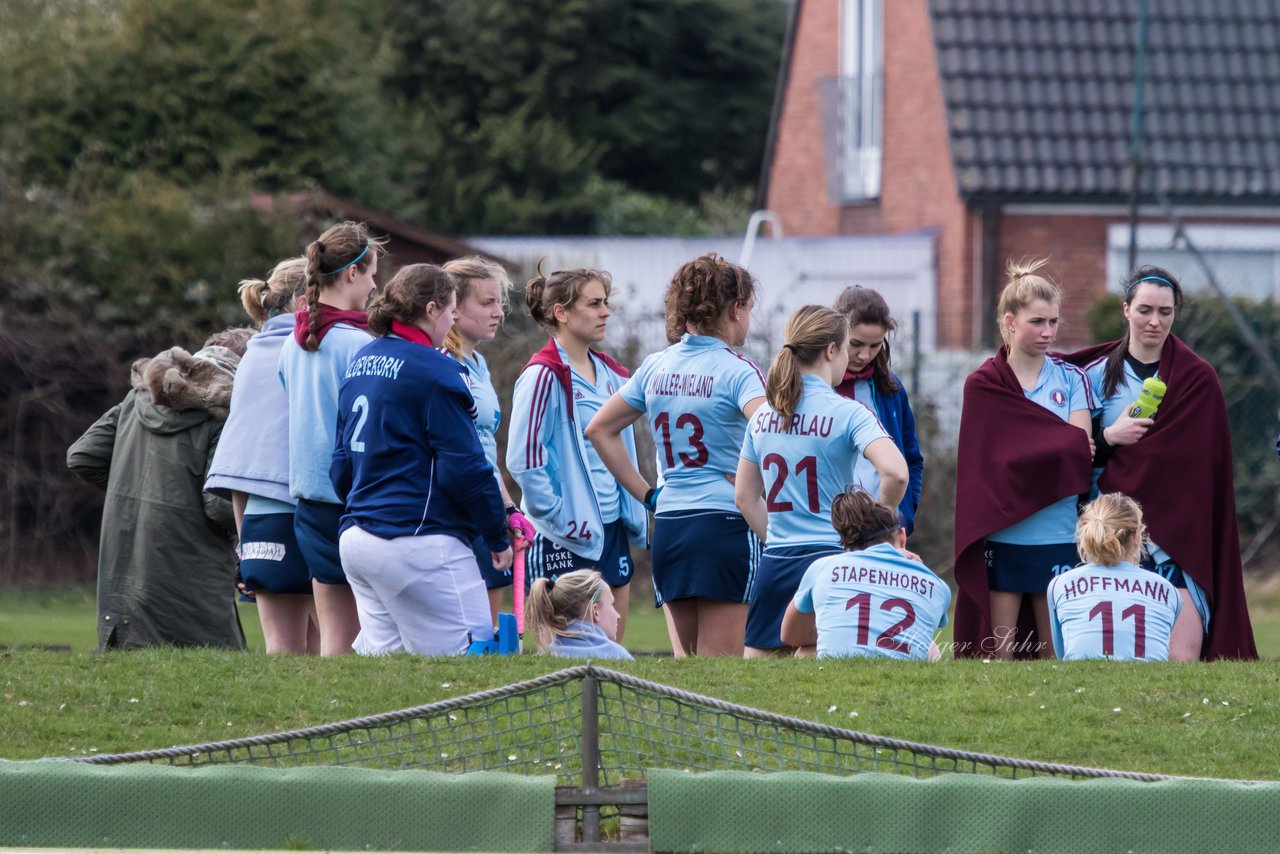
1217 241
861 84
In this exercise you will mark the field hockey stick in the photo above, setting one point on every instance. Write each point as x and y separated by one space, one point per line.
521 545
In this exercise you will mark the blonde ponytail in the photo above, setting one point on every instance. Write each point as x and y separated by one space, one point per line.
809 332
1110 530
552 606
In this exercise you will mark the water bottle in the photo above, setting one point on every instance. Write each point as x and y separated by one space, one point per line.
1153 389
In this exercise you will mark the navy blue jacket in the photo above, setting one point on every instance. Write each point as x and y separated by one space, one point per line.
407 460
894 412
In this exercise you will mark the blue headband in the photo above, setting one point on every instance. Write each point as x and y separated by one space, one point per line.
349 263
1134 285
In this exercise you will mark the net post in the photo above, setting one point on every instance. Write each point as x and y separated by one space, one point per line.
590 755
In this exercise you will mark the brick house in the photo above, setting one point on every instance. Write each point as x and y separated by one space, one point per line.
1003 127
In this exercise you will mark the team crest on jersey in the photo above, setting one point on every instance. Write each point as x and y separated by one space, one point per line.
1058 398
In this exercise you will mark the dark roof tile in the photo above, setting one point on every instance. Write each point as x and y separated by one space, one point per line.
1039 94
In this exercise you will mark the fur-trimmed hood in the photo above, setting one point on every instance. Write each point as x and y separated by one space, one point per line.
184 388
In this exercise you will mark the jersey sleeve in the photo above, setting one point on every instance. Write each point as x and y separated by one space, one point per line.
1055 625
632 391
748 451
340 470
1081 396
535 410
864 427
748 383
803 600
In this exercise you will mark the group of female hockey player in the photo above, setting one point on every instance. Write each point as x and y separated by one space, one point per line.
361 454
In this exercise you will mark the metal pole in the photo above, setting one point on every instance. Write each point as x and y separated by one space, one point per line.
590 756
915 353
1135 130
753 226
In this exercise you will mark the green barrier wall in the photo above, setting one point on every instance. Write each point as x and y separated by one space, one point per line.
803 812
66 804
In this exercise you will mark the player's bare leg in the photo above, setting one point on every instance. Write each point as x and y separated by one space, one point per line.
495 602
1004 624
1044 636
776 652
339 622
1188 632
621 601
286 621
682 626
721 627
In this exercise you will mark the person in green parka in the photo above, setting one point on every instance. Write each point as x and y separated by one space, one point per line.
166 560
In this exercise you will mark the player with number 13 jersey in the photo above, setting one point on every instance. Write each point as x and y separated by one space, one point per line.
698 394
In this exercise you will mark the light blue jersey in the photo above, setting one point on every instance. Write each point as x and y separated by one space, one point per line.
588 397
876 602
311 380
1062 389
1121 612
806 468
864 473
488 413
1108 409
694 393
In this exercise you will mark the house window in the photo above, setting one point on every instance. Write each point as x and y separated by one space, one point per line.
859 102
1245 259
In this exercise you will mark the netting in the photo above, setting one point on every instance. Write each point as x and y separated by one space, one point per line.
539 727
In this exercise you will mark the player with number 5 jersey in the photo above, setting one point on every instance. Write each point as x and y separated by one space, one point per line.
698 394
1110 607
583 519
799 451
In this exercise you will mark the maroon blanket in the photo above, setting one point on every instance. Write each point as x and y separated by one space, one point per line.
1182 474
1015 457
549 357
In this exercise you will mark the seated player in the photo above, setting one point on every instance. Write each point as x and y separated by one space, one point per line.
872 600
573 616
1110 607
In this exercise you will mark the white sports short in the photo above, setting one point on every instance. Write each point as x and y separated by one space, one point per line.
415 594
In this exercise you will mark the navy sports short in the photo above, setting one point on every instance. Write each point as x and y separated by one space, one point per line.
548 560
315 524
1013 568
1169 570
775 584
703 554
270 560
494 579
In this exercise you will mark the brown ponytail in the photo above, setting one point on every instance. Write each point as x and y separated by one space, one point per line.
809 332
860 521
406 296
344 245
544 292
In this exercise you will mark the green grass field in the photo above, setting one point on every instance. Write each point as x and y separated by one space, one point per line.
1199 719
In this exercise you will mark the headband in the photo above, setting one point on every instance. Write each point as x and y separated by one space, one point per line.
1131 287
349 263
